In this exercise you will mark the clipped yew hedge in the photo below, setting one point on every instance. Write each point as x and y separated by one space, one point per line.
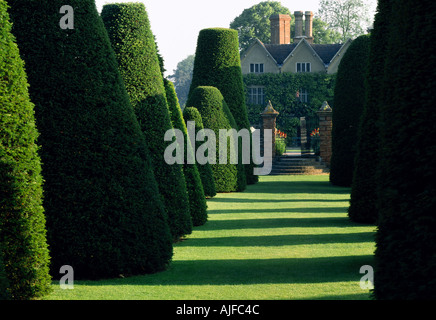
197 199
24 255
130 34
363 207
210 104
217 63
349 101
104 213
406 235
205 170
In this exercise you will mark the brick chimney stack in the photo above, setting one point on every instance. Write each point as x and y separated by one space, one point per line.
308 29
308 26
280 29
298 25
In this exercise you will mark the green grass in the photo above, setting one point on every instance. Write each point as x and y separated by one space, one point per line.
293 149
284 238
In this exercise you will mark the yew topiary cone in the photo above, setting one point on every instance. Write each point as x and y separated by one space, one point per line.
24 255
104 213
130 34
218 64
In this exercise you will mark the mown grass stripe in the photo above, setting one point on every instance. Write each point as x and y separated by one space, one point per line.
283 238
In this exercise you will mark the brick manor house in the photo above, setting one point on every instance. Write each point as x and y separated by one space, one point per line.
285 54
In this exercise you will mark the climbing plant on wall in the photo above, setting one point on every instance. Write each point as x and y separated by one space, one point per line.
281 89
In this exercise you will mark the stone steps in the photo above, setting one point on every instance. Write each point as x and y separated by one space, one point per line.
294 165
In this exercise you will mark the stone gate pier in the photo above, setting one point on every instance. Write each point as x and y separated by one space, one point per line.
269 116
325 133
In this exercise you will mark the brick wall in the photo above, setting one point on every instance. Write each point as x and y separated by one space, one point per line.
325 133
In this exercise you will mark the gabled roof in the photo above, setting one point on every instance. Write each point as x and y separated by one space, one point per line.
327 51
260 43
280 52
303 42
340 49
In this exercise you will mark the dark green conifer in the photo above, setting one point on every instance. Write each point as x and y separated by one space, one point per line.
364 185
129 31
347 111
210 104
104 213
218 64
205 170
405 251
24 255
197 199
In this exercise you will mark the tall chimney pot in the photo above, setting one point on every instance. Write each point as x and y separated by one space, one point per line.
308 28
280 29
298 25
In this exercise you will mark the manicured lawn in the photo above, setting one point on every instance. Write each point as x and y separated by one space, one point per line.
284 238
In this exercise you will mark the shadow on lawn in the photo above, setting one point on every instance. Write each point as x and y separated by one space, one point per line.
333 222
280 240
252 271
283 187
285 270
268 271
357 296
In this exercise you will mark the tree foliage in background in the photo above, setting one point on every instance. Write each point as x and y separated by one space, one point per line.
405 240
323 34
129 31
182 78
349 99
104 214
24 255
254 23
364 186
350 18
197 199
205 170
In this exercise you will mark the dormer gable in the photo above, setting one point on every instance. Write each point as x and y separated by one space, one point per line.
257 54
335 61
303 58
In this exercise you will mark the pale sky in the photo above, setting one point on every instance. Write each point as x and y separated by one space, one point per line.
176 23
